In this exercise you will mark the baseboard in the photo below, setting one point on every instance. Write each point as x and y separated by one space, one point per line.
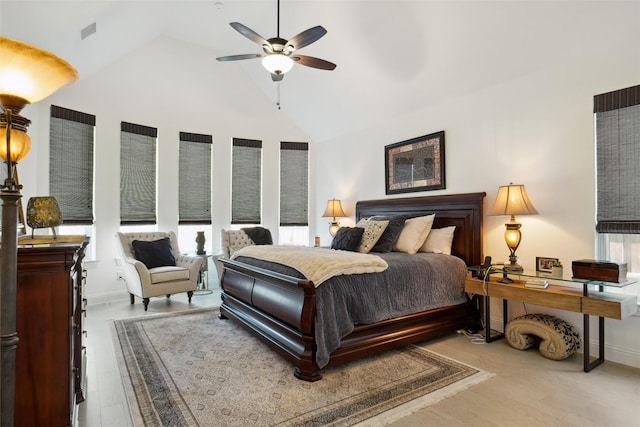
612 353
616 354
106 297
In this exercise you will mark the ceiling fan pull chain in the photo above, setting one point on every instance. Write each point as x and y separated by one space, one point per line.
278 94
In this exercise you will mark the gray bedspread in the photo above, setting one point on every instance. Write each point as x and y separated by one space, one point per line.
411 283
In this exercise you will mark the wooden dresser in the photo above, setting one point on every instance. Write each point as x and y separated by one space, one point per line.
51 357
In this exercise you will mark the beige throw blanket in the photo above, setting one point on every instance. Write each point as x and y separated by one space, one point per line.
316 264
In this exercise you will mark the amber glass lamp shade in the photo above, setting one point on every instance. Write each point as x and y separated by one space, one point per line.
513 200
20 144
29 74
334 209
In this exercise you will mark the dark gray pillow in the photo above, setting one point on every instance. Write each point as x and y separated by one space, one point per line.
154 253
259 235
347 238
391 233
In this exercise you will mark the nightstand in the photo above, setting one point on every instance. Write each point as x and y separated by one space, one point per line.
203 276
562 294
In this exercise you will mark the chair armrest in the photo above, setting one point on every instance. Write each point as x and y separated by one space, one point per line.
191 263
136 274
218 264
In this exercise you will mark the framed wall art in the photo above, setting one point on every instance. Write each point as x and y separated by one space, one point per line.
415 165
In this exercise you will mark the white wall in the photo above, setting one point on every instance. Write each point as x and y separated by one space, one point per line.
536 130
169 85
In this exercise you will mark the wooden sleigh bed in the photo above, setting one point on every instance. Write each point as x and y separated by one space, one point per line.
281 309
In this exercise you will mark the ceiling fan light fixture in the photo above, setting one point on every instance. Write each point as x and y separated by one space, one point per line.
277 63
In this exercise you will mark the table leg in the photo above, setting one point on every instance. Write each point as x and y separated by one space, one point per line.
487 320
588 364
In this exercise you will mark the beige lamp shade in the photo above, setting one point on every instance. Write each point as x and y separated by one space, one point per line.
512 200
29 74
334 209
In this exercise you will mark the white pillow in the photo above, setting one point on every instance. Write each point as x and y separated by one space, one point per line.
372 232
439 240
413 234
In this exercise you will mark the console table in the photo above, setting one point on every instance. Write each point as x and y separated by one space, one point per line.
560 295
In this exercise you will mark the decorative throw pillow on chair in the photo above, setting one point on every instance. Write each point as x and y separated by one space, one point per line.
155 253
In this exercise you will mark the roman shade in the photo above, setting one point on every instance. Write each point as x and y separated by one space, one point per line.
617 123
294 184
246 181
137 174
194 188
71 145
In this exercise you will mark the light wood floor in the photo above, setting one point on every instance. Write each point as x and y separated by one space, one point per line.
526 390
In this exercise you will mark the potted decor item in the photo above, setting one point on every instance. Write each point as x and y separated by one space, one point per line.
200 243
556 269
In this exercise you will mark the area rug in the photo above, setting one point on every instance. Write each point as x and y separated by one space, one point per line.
193 369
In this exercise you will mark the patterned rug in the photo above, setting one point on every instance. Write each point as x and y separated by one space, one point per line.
193 369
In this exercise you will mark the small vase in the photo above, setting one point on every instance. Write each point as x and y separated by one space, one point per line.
200 241
556 272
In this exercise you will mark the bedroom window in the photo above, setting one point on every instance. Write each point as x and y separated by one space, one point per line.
137 174
246 181
194 189
195 179
71 146
294 193
617 132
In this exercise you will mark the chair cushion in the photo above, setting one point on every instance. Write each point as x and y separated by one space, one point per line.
155 253
168 274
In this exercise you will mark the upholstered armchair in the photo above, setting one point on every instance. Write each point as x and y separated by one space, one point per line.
153 266
233 240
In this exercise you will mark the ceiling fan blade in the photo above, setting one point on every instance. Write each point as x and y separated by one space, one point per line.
277 77
249 33
239 57
306 37
310 61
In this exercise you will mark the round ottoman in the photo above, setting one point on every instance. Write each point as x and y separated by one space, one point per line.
556 338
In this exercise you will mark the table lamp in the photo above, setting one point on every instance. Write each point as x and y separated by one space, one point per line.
334 209
512 200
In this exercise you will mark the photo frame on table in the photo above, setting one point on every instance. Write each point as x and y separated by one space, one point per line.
415 165
545 265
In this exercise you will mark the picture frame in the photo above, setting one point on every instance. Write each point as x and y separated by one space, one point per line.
545 264
416 164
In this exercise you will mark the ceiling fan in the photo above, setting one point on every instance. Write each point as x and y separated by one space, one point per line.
279 54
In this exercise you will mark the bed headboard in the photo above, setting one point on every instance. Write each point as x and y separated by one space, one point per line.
462 210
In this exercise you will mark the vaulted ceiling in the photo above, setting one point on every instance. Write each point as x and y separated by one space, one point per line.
393 57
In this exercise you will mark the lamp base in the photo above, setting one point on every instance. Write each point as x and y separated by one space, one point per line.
333 228
505 278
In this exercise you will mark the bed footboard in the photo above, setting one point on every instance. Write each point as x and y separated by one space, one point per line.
276 308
